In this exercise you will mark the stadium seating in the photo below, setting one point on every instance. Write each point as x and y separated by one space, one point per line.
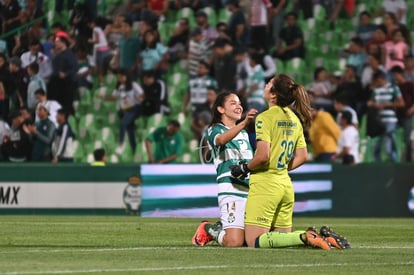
96 122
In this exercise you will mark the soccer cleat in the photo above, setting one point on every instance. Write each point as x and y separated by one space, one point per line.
315 240
201 237
334 239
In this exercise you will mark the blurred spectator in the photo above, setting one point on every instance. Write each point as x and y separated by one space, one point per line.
373 64
100 52
134 9
203 117
405 114
409 68
79 20
27 116
386 98
390 23
276 15
20 81
266 61
259 21
5 86
16 146
322 90
59 31
99 157
155 95
165 144
178 43
367 83
52 106
241 58
196 97
290 43
62 144
396 50
159 8
59 5
153 53
144 27
12 14
84 76
129 46
197 52
305 6
338 9
348 142
376 45
35 55
349 87
179 4
115 29
129 95
62 84
42 133
341 105
36 83
366 28
48 45
323 134
31 13
197 92
224 65
396 7
357 56
208 32
255 83
4 132
21 44
223 31
237 24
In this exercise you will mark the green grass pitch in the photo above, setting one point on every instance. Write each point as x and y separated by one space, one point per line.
133 245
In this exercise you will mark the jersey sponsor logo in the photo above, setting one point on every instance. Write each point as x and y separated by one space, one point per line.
262 219
287 123
288 132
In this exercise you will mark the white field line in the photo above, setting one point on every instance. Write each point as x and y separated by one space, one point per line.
87 250
219 267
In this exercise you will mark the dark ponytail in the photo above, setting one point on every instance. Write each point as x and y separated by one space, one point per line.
290 93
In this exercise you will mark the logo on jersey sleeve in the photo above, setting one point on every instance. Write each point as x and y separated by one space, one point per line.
259 124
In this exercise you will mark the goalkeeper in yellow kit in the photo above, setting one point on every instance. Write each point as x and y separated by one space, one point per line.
281 147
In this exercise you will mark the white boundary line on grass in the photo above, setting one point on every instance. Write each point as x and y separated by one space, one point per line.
86 250
177 268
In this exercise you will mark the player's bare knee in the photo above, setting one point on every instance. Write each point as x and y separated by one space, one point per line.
230 241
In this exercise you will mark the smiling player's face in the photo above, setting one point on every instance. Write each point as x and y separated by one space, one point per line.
232 108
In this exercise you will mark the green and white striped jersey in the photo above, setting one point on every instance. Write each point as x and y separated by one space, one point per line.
235 151
198 89
387 94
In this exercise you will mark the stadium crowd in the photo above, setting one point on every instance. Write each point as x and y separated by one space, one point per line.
50 65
